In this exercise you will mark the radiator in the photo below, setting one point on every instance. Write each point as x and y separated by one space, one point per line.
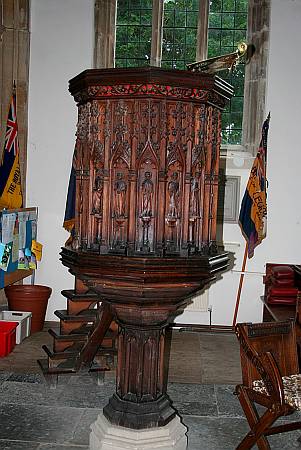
199 302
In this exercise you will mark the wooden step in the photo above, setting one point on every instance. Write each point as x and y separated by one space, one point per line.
89 315
80 297
75 308
69 337
68 367
71 322
64 341
73 351
43 363
78 302
51 374
76 346
61 355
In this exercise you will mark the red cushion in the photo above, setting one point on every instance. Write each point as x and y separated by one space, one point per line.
281 300
282 282
283 292
282 272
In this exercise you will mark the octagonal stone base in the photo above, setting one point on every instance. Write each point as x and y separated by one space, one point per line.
105 436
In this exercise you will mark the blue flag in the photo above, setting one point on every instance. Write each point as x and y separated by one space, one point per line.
253 210
69 219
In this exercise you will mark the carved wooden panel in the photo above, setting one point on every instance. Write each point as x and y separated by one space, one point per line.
142 376
147 165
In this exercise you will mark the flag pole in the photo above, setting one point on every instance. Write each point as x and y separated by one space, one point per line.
241 279
252 214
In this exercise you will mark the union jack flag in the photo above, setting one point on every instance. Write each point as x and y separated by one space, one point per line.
11 141
10 173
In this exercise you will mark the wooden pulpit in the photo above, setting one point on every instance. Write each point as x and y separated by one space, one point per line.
147 160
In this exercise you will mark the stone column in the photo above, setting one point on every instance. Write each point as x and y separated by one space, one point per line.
202 31
157 32
105 33
256 73
14 57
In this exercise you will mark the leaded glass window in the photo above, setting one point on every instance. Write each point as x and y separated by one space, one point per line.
227 27
133 33
179 33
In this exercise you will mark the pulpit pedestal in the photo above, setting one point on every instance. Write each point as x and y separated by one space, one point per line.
152 294
146 164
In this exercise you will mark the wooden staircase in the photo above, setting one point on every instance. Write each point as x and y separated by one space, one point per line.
85 341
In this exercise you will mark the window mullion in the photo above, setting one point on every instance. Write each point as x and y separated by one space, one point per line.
104 33
157 33
256 73
202 31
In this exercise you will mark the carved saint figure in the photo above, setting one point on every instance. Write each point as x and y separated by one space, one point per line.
174 194
194 198
147 195
120 189
97 195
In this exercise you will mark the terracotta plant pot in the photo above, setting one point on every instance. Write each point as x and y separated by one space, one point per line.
31 298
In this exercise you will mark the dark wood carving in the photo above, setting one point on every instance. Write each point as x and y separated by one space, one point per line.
128 132
147 154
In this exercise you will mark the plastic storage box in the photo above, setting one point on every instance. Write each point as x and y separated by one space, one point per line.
7 337
23 325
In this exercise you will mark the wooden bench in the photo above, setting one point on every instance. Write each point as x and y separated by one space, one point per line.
270 378
280 313
277 313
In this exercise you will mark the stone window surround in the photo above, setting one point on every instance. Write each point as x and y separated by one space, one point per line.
256 70
15 41
14 56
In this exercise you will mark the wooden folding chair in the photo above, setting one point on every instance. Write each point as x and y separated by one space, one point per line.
270 377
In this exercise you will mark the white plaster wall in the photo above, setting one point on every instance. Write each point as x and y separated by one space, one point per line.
61 47
283 242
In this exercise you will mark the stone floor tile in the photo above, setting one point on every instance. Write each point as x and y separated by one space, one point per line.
4 376
34 417
28 394
285 441
224 349
62 447
227 403
82 396
193 399
17 445
88 379
184 347
82 432
27 378
214 433
38 423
